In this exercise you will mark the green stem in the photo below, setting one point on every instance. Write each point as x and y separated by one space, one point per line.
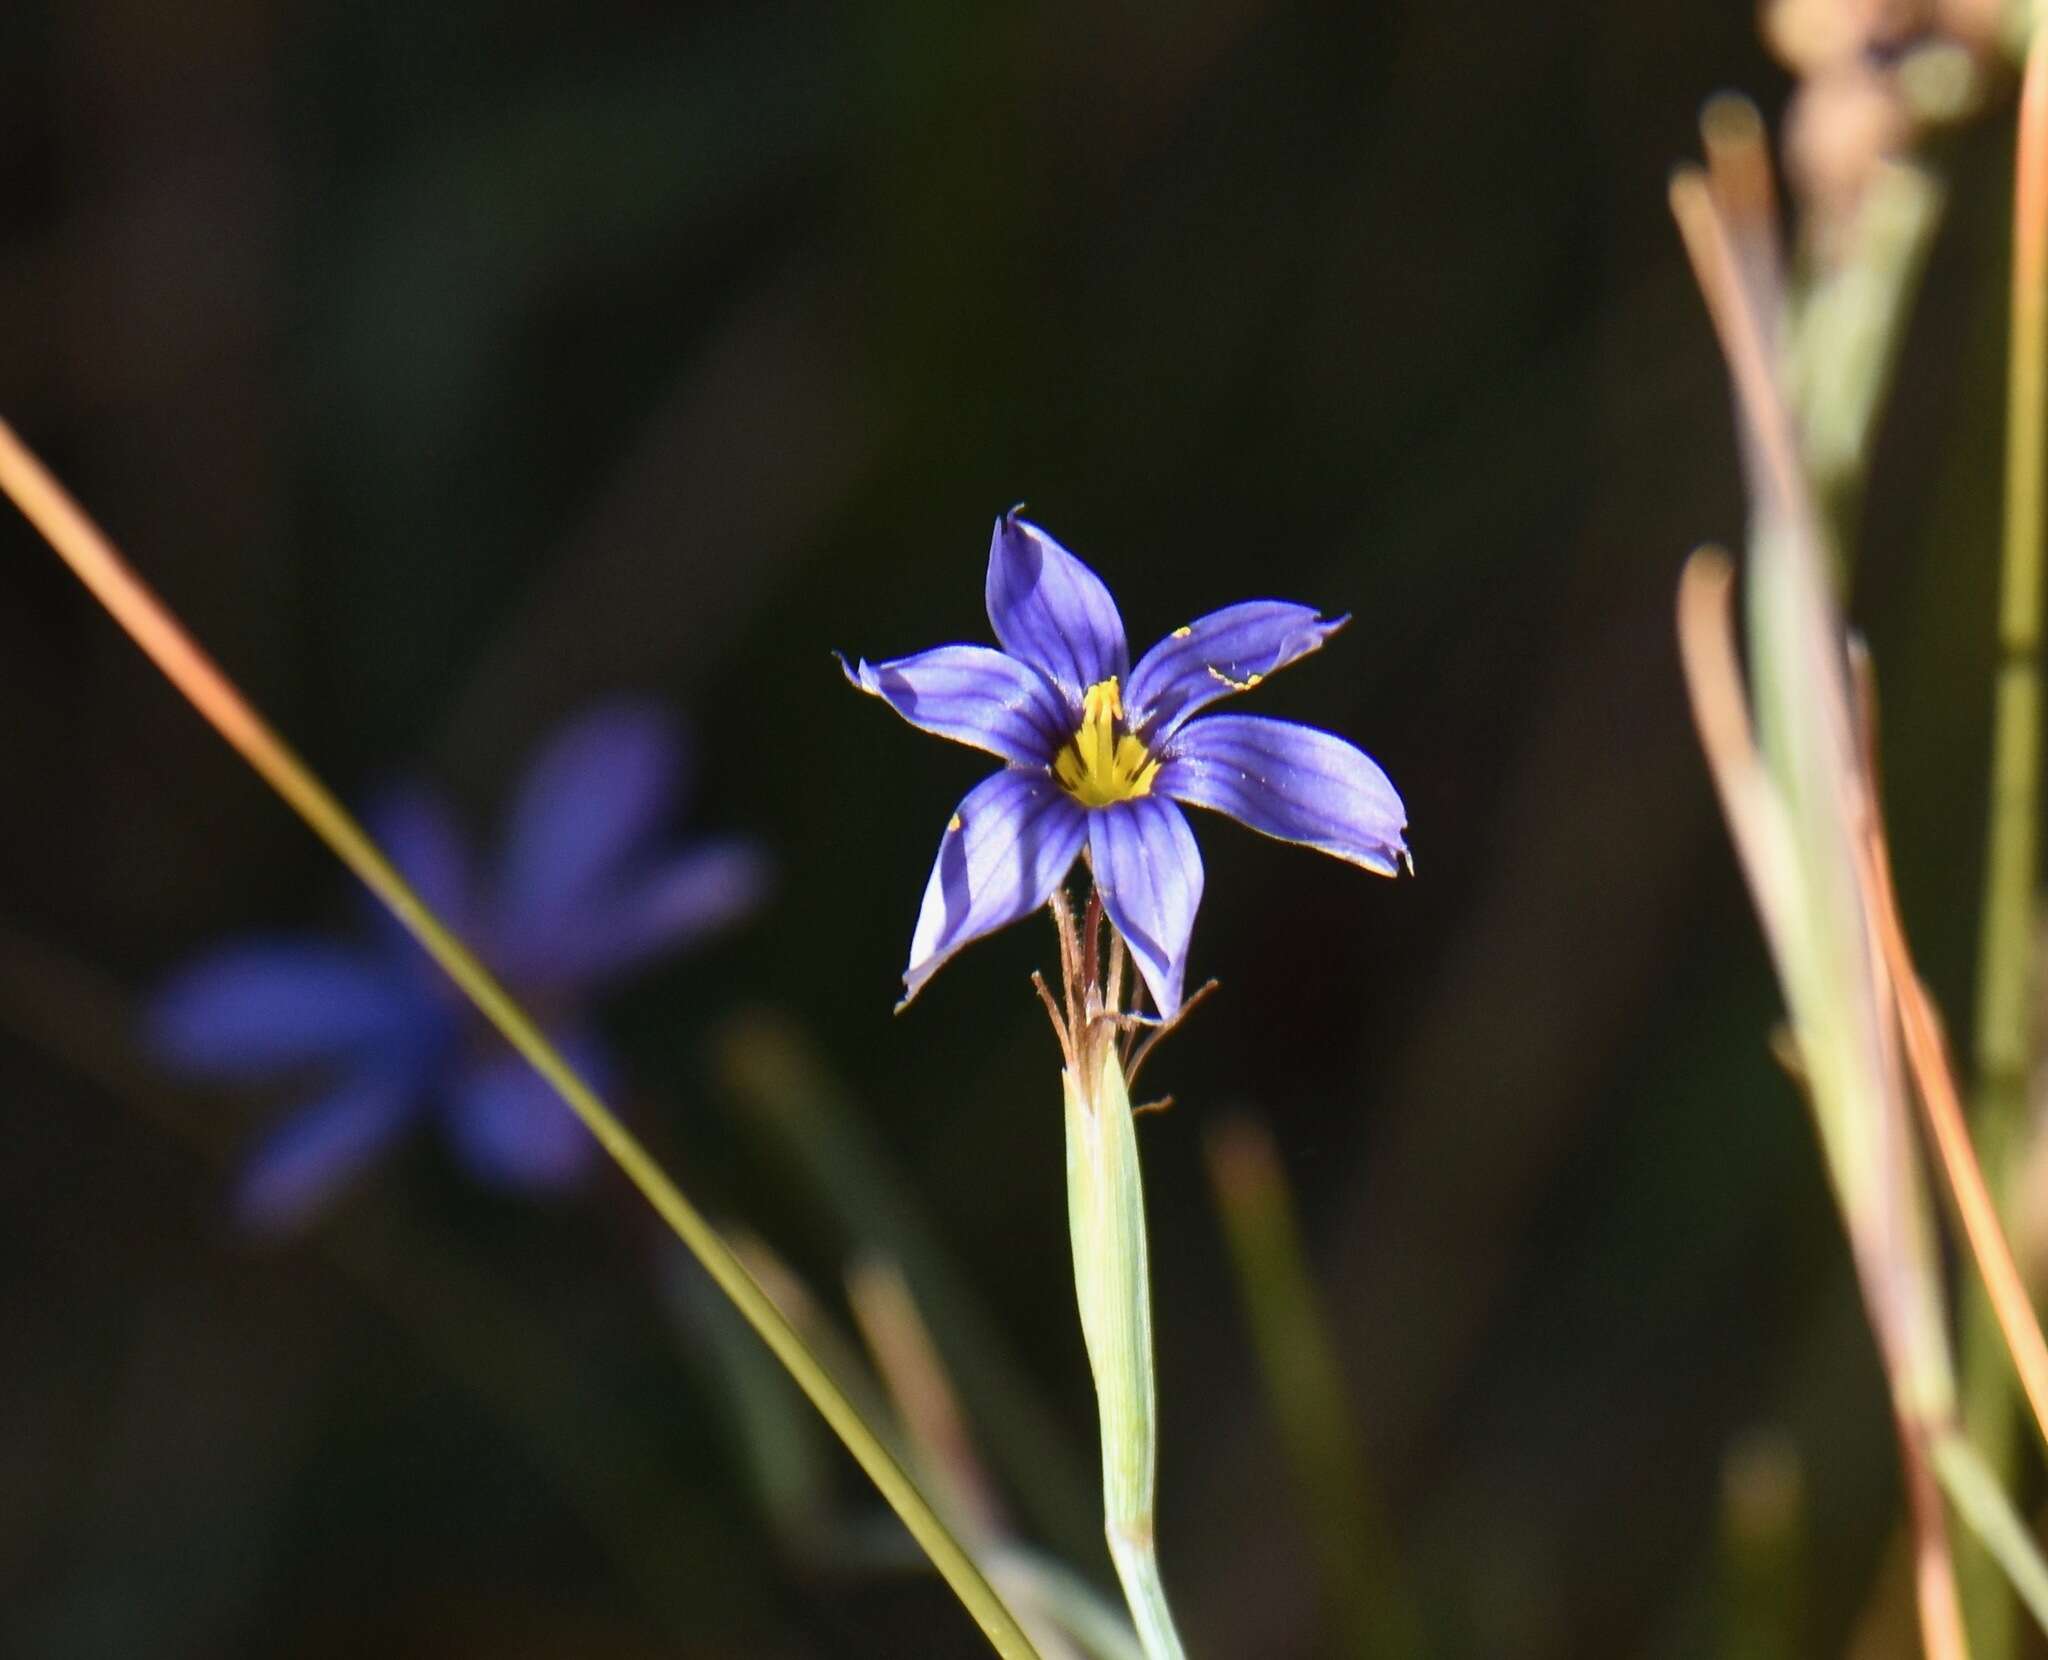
1113 1284
2004 1032
1137 1570
2003 1037
86 550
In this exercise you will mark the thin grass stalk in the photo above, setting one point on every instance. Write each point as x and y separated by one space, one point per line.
1899 1295
1934 1574
1933 1454
83 547
2012 1311
2004 1031
1791 798
907 1361
1974 1491
1810 804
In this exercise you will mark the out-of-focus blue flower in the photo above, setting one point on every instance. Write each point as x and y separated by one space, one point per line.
586 888
1098 753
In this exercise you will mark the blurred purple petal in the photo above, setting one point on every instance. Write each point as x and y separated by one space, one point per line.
1227 651
1051 610
509 1128
416 831
973 695
266 1005
599 790
1149 873
306 1161
656 912
1289 781
1015 835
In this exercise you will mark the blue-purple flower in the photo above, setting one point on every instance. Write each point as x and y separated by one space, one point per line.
586 888
1102 755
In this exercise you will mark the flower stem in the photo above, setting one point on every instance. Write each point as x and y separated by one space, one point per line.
1113 1286
93 559
1137 1570
2003 1032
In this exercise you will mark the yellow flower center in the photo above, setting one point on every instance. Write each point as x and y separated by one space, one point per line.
1100 765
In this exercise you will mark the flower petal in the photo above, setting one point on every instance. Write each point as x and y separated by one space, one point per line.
1051 610
1014 836
264 1005
973 695
417 832
306 1161
1289 781
599 789
509 1129
1227 651
1149 873
664 908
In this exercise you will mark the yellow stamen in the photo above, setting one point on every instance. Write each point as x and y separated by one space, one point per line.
1102 766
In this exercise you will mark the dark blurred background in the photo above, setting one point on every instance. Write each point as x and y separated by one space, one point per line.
451 366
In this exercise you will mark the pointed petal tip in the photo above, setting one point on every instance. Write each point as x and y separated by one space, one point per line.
1218 655
973 695
1050 609
1328 627
915 978
1293 782
920 971
1390 857
1013 837
1392 860
304 1164
588 804
670 904
860 674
